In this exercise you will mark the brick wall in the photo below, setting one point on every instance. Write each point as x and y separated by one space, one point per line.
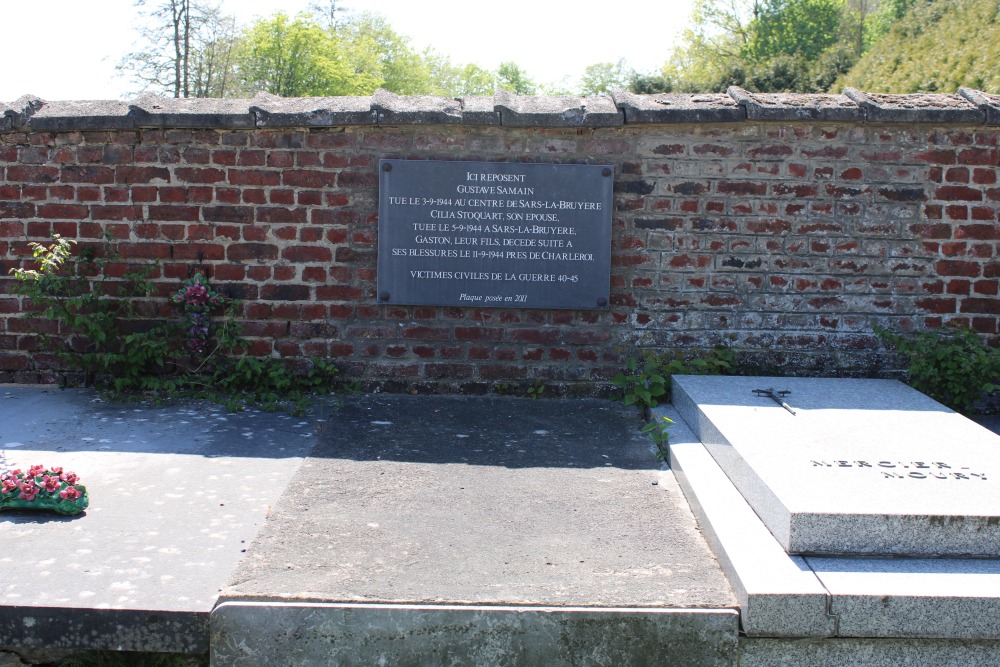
788 240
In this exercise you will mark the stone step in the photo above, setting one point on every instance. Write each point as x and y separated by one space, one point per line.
862 467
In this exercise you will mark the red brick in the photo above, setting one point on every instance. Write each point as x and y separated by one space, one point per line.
741 188
426 333
16 209
937 156
988 287
285 293
288 215
133 175
116 212
225 157
310 198
980 306
254 177
281 197
32 174
309 179
259 252
958 193
202 252
535 336
199 174
979 156
984 176
978 232
177 213
316 254
350 179
234 214
958 268
87 174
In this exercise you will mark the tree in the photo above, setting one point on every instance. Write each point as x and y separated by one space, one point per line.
382 57
187 49
647 84
451 80
797 28
710 54
295 57
212 63
327 11
937 46
605 77
513 78
772 45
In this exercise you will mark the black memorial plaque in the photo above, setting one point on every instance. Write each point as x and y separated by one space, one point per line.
494 234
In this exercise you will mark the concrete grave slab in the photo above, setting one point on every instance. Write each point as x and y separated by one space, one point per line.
482 500
176 495
865 466
247 633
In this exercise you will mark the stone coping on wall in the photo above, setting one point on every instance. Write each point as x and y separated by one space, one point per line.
32 114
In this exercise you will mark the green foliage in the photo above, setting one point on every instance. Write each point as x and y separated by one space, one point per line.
513 78
450 80
270 384
646 380
657 430
189 48
536 390
100 333
952 365
93 314
295 57
606 77
381 57
937 46
772 45
793 28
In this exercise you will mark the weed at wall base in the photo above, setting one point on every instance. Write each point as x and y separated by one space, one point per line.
951 365
100 332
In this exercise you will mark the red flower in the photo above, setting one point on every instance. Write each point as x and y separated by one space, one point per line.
51 483
28 490
69 477
9 485
57 470
69 493
35 471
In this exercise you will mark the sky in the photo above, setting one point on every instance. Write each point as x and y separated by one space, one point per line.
68 49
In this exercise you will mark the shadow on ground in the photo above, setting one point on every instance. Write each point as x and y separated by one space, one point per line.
483 431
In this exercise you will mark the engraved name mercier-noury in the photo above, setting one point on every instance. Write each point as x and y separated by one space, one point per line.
494 234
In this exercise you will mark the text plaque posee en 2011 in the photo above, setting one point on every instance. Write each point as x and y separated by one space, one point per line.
494 234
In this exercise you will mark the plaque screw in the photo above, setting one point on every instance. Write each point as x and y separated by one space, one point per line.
384 296
606 172
386 167
602 302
